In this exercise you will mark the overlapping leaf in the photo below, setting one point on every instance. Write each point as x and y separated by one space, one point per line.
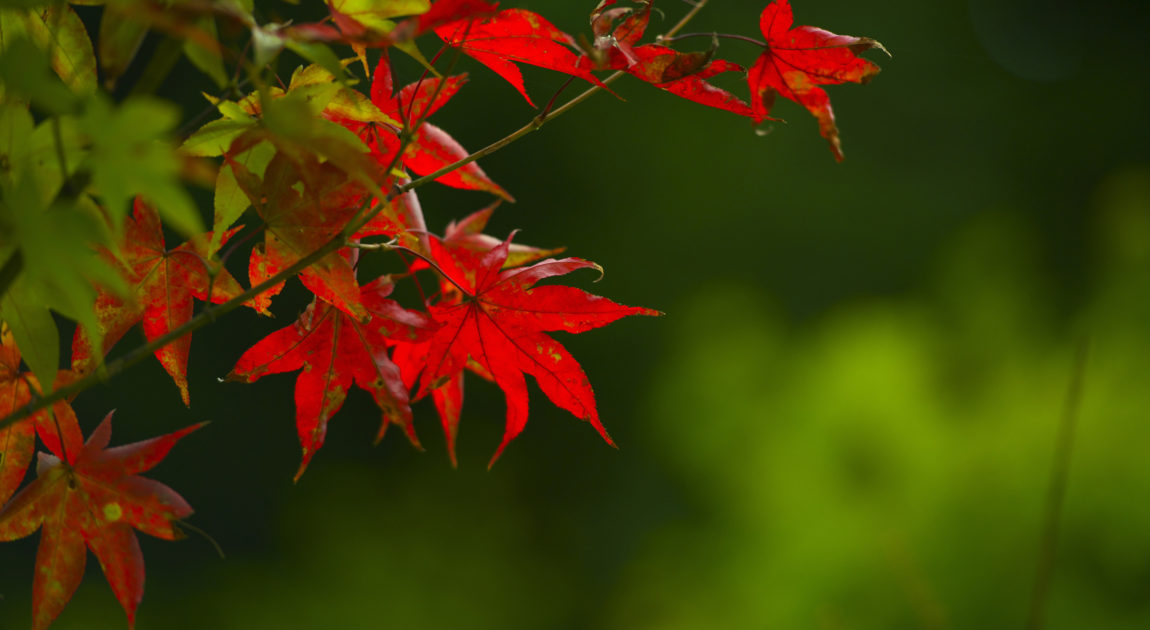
618 31
57 428
798 60
163 285
430 148
442 12
467 233
334 351
685 75
517 36
58 30
92 498
498 319
303 207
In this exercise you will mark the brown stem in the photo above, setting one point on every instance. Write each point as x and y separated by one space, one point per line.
686 18
742 38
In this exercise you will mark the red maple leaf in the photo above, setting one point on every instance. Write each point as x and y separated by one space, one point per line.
334 351
682 74
430 148
496 320
447 398
468 233
441 13
304 205
517 36
163 283
685 75
411 357
57 428
360 23
798 60
91 498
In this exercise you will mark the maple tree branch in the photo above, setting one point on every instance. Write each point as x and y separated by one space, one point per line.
362 217
534 125
681 24
742 38
389 245
434 265
555 97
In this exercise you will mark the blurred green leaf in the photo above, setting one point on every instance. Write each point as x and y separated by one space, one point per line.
26 71
44 154
131 155
214 138
30 4
292 124
210 62
15 131
230 200
60 31
372 14
119 40
34 331
321 54
266 43
59 269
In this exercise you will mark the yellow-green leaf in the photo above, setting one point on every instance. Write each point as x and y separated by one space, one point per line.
214 138
119 39
60 31
34 330
373 14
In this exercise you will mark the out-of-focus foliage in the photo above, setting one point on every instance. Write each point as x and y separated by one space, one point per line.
888 466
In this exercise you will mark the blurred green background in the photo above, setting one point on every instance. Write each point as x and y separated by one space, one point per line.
847 418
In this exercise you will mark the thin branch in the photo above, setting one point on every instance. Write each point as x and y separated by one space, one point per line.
434 265
686 18
187 128
535 124
555 96
742 38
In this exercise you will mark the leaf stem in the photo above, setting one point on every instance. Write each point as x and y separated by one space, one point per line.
742 38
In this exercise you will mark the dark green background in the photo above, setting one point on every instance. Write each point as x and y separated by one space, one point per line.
847 418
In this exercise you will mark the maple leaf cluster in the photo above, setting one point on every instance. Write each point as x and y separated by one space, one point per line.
85 496
327 172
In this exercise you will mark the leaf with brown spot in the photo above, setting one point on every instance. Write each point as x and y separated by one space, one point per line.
164 283
57 427
798 60
497 318
92 498
517 36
